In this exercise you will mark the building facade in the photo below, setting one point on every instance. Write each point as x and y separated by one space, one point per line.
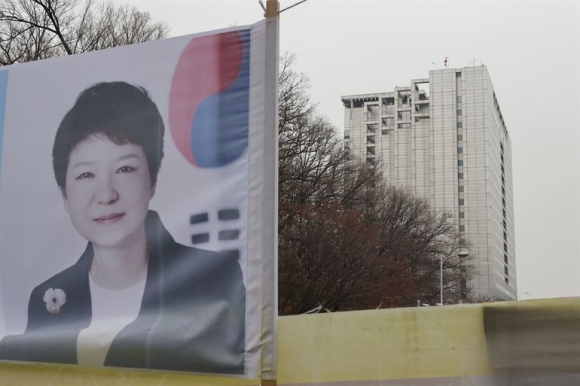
445 138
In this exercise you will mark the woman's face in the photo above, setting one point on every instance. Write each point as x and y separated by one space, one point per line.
108 189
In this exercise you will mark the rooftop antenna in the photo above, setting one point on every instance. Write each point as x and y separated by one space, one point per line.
474 61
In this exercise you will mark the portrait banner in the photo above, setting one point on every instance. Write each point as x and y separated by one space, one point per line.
132 207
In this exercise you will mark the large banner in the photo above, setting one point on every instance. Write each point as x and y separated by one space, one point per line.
130 214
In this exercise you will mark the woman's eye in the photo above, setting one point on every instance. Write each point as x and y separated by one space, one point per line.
85 175
126 169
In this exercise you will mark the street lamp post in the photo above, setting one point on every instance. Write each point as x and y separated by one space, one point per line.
462 280
441 280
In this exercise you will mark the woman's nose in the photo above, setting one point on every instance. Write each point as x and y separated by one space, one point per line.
106 192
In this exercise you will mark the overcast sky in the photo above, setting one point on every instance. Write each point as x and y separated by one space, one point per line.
531 49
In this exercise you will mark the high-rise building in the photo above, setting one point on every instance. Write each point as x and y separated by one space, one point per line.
445 138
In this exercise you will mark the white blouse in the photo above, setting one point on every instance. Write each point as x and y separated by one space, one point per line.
112 310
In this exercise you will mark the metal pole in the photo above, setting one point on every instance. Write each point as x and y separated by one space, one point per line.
441 280
463 255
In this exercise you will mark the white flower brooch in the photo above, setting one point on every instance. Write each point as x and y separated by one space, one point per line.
54 299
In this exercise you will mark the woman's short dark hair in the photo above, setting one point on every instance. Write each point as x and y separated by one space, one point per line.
122 112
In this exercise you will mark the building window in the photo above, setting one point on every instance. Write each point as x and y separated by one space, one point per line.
460 176
459 125
388 122
459 113
461 201
462 228
461 189
372 112
459 99
459 162
404 115
461 214
460 137
347 145
460 150
347 134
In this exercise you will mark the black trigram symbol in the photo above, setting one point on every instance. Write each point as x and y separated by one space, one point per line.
228 234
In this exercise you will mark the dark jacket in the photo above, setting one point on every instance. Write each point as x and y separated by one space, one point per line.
192 315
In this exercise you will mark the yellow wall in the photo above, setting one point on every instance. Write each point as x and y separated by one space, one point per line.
382 344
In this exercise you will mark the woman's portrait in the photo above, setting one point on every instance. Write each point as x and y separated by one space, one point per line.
135 297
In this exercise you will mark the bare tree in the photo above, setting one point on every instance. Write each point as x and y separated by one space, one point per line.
40 29
314 168
327 258
295 104
414 232
321 238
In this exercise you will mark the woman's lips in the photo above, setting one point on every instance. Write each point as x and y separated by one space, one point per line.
109 218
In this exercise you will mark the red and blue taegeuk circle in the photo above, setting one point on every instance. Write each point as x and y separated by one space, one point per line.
209 99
